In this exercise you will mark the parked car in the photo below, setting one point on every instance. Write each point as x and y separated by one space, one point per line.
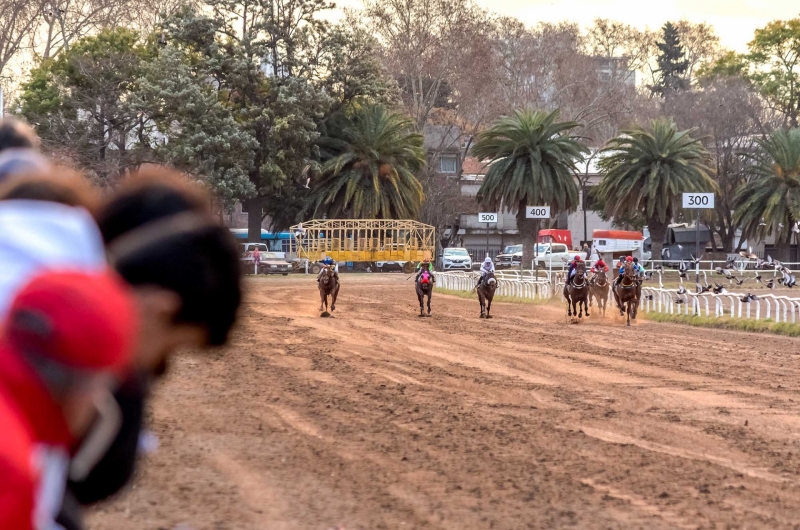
455 259
510 258
270 262
555 255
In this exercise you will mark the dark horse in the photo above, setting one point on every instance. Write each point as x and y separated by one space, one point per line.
598 289
328 286
486 294
577 292
627 292
424 288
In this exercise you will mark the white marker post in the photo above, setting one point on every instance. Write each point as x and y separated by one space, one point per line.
488 218
537 212
697 201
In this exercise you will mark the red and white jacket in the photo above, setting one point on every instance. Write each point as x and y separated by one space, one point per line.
34 452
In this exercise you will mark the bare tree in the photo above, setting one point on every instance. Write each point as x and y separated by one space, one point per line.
18 20
701 44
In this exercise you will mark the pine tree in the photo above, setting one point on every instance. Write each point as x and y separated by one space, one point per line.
672 62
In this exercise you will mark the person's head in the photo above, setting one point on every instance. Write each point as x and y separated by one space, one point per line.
636 260
629 258
426 261
77 333
577 258
186 275
150 194
15 134
56 185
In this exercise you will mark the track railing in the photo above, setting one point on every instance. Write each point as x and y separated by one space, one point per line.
768 306
510 283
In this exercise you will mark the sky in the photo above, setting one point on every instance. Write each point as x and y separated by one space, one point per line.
735 21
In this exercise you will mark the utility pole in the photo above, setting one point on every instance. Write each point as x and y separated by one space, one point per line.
2 104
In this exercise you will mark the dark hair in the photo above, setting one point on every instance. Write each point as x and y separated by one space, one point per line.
58 185
15 134
635 260
150 194
191 256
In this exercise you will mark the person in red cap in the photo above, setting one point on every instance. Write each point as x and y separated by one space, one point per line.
622 267
599 265
67 337
572 267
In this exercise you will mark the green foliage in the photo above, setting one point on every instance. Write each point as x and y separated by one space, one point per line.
770 201
730 64
647 170
672 62
749 326
370 157
533 159
775 54
81 103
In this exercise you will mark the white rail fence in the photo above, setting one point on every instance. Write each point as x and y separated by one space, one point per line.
767 306
654 299
510 283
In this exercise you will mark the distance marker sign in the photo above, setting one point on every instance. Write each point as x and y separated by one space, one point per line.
698 200
487 217
537 212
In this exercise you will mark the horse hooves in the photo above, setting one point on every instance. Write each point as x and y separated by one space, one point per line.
489 316
325 314
587 313
429 315
483 316
420 315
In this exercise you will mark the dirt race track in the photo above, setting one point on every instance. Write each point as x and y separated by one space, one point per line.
378 419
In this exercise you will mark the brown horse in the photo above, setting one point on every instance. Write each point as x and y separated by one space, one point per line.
577 292
486 294
598 289
328 286
424 286
627 292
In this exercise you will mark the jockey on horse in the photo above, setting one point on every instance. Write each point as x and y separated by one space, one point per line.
600 265
636 268
572 268
425 265
328 264
486 267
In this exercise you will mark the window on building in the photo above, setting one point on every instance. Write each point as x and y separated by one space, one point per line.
448 163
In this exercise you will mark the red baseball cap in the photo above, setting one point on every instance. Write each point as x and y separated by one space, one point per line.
629 258
86 321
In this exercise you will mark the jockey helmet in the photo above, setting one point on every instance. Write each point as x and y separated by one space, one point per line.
629 258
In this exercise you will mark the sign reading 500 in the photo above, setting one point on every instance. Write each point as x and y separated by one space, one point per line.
487 217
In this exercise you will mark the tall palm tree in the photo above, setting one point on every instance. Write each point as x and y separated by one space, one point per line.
647 171
769 202
369 160
532 162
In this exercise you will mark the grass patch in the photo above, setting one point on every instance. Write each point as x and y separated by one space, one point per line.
752 326
472 295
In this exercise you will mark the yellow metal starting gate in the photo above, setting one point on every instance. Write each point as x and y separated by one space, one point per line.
365 240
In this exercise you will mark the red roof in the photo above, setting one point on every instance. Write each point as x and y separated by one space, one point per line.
473 166
617 234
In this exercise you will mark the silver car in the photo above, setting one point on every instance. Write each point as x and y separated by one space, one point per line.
455 259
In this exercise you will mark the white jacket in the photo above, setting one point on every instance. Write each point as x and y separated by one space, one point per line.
39 235
487 266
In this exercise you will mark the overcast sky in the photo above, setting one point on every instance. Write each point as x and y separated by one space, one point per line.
734 20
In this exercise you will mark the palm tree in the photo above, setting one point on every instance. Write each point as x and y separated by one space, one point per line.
769 202
532 162
369 160
647 170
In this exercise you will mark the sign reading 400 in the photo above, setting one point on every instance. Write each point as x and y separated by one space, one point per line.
537 212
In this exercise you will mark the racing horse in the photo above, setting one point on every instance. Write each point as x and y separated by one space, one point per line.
627 292
577 292
328 286
424 287
486 294
598 289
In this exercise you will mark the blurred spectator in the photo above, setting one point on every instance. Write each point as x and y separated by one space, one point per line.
15 134
19 149
185 272
59 185
67 337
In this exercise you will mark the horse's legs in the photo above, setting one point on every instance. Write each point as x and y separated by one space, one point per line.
489 306
420 298
322 300
334 294
586 308
429 302
629 313
483 305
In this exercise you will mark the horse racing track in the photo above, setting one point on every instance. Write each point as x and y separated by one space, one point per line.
376 419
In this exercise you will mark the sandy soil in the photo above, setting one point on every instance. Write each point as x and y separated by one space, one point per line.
377 419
